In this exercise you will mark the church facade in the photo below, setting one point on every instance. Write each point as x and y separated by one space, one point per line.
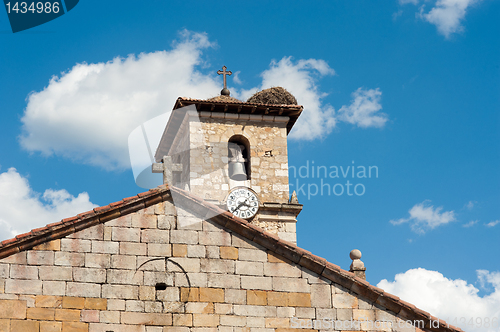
211 250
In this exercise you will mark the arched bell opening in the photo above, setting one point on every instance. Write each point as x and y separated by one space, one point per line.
239 158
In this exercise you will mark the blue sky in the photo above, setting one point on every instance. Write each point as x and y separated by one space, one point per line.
410 86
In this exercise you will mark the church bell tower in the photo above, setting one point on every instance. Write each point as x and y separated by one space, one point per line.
234 154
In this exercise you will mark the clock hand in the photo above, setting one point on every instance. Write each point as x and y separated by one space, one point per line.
241 204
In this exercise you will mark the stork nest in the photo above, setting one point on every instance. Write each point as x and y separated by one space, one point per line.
275 96
225 98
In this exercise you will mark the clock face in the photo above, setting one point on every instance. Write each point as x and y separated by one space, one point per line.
242 203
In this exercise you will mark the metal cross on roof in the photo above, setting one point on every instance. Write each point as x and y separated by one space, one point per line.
224 91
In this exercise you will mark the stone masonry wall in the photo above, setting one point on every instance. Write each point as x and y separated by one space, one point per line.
143 272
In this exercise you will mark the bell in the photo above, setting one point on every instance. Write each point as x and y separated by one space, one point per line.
237 171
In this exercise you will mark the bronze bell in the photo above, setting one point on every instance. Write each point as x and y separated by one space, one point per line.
237 169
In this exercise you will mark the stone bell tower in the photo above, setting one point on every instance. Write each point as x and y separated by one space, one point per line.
215 147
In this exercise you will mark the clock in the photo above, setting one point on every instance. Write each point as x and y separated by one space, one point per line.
242 202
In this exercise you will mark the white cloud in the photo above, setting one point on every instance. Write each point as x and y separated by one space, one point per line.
447 15
470 205
300 79
88 112
470 223
492 223
23 209
425 217
449 299
364 109
236 77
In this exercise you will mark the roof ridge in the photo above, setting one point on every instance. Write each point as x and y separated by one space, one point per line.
240 226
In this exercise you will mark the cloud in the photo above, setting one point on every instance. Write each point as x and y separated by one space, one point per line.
236 77
470 223
300 79
364 109
470 205
492 223
449 299
425 217
87 113
23 209
446 15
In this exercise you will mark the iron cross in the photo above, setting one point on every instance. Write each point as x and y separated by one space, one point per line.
224 73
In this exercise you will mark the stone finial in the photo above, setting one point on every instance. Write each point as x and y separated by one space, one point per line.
357 266
293 198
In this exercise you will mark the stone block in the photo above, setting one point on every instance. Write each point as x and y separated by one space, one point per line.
40 313
134 306
209 226
92 233
125 221
344 300
50 326
19 258
155 236
124 277
254 255
4 271
23 272
256 297
250 310
123 262
158 250
75 327
150 263
105 247
182 319
140 318
231 320
199 308
144 220
321 296
24 325
258 322
63 258
281 284
189 294
53 287
211 295
195 279
12 309
40 257
90 316
205 320
121 234
69 302
344 314
67 315
30 300
194 250
188 264
235 296
212 252
360 314
282 270
114 304
305 312
4 325
51 245
215 238
166 222
80 289
326 313
44 301
224 308
91 275
183 236
95 304
147 293
299 299
228 253
120 292
76 245
56 273
285 312
253 282
249 268
179 250
277 299
109 317
18 286
277 322
131 248
152 278
217 265
223 280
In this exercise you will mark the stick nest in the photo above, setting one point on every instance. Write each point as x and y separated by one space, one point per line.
225 98
275 96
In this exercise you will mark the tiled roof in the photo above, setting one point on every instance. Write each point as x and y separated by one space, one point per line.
240 226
